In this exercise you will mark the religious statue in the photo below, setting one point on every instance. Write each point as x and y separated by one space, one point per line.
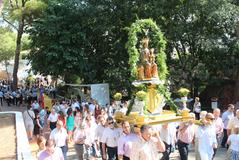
147 68
154 67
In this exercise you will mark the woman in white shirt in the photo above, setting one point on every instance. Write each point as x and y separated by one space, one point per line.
233 141
197 108
52 119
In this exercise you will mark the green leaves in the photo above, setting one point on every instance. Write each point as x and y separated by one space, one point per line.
57 43
157 40
7 45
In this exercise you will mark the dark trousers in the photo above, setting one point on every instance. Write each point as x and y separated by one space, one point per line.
101 151
52 125
112 153
197 115
64 151
79 151
125 158
1 99
183 150
224 139
167 151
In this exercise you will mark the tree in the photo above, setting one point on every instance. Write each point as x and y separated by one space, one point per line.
195 31
19 15
7 45
58 42
193 28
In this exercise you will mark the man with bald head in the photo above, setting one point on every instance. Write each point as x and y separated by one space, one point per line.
59 136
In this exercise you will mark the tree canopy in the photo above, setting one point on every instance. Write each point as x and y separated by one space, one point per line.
7 45
88 39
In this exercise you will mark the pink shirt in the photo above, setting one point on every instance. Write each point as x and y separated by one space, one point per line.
125 144
186 133
219 125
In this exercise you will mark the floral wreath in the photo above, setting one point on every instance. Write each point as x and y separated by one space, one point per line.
152 31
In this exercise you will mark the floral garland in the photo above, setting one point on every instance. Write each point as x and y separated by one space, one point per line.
158 41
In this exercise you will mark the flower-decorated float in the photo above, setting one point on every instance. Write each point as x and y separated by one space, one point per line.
147 62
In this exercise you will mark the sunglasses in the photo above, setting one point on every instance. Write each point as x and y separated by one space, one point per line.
110 122
211 119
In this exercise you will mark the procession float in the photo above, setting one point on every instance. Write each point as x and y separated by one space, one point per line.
147 61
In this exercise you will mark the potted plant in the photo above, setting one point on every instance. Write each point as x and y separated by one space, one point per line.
139 102
183 93
117 97
141 95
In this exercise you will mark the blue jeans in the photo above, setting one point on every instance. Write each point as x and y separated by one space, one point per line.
64 151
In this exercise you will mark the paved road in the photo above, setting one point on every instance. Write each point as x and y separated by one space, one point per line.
221 154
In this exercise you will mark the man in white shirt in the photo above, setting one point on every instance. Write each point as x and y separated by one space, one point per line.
59 136
110 140
226 116
92 107
167 133
99 132
148 146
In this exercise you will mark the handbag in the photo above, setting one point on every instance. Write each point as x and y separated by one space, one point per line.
34 121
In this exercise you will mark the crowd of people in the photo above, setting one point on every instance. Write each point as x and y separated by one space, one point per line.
95 134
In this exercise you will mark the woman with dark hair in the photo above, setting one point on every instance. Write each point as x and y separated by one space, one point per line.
62 117
70 124
37 125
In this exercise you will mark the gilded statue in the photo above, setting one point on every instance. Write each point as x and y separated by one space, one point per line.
147 68
154 67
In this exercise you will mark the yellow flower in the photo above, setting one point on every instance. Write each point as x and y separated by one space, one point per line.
183 92
118 96
141 95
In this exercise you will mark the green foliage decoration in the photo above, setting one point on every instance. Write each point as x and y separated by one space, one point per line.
136 33
167 95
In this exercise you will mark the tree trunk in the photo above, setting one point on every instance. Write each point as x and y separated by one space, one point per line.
17 53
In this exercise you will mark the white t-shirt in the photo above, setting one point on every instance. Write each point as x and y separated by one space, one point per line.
110 137
234 139
59 136
99 132
53 117
92 108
